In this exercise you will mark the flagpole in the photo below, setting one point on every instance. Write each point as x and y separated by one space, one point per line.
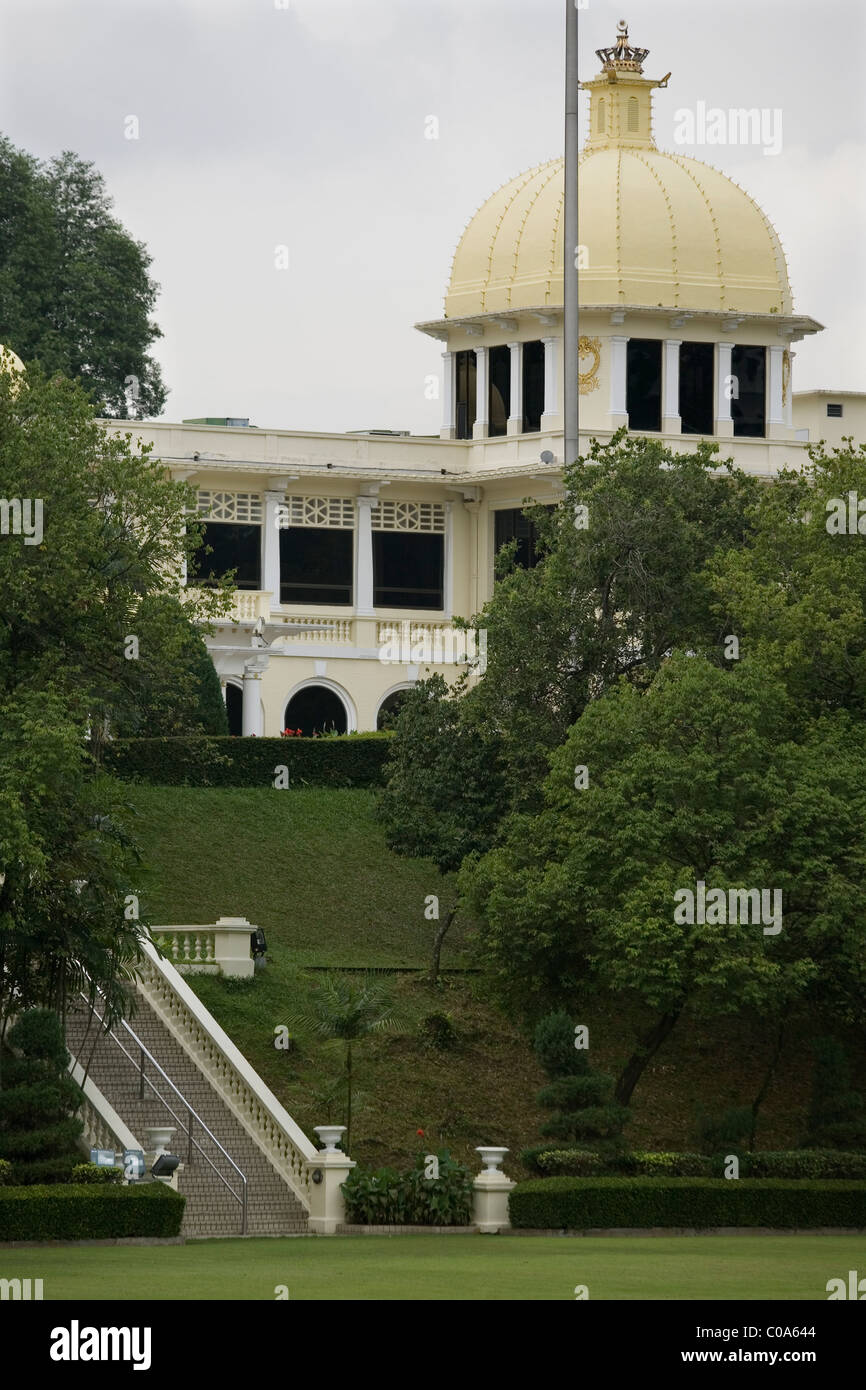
570 329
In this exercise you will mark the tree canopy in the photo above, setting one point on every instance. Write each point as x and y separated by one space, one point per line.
75 289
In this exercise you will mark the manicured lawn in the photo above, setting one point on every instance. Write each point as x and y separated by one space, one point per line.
465 1268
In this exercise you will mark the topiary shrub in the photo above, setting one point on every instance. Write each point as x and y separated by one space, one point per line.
837 1115
82 1211
579 1095
38 1096
575 1163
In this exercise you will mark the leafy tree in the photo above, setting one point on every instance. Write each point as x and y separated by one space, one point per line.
348 1011
697 779
75 292
609 599
174 688
108 570
796 595
442 788
578 1093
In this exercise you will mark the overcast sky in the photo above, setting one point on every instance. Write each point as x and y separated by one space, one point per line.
301 123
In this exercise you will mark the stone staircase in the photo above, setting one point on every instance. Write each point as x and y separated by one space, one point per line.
211 1210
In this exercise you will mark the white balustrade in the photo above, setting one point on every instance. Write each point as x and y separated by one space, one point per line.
243 1091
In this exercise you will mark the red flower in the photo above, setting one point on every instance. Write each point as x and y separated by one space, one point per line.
421 1132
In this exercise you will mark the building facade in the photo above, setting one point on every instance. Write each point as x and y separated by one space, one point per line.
355 552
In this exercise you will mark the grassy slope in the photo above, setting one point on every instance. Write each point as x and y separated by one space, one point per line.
451 1268
311 867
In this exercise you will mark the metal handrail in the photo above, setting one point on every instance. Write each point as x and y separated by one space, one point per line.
192 1114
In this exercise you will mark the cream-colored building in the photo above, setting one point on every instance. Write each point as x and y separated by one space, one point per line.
356 551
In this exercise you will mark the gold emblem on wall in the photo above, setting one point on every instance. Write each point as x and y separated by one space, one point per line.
786 375
588 349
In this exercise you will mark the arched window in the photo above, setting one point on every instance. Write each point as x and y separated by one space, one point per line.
316 710
600 121
390 708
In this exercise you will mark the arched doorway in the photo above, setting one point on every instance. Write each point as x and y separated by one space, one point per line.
315 710
235 709
390 708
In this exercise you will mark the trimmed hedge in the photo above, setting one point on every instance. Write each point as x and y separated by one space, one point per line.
96 1173
607 1203
820 1164
350 761
83 1211
39 1171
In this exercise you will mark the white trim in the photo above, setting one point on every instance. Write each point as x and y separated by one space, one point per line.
338 690
401 685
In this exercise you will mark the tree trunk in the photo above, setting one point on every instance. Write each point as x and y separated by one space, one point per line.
765 1084
643 1053
441 932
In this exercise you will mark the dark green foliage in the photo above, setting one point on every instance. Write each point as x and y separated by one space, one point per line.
669 1165
38 1097
5 1171
96 1173
574 1163
75 292
579 1095
27 1172
729 1131
694 1203
438 1032
385 1197
553 1042
171 689
801 1163
249 762
82 1211
837 1115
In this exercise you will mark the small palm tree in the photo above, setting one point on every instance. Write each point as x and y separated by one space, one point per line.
347 1010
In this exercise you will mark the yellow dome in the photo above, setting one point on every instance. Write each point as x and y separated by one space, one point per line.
657 228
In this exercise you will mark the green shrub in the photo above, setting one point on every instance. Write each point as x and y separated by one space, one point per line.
388 1198
26 1172
82 1211
575 1163
38 1096
96 1173
554 1046
249 762
572 1092
5 1171
729 1131
668 1165
824 1165
563 1203
438 1032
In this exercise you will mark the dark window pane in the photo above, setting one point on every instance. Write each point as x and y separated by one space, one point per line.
533 386
464 387
834 411
500 390
235 710
407 570
748 368
696 387
315 565
510 524
232 547
643 388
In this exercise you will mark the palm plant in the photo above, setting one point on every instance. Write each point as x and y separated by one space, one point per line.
347 1010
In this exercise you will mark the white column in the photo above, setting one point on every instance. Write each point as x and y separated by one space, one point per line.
618 371
449 423
271 544
448 561
549 417
480 429
515 414
789 401
775 410
252 712
364 566
671 420
724 422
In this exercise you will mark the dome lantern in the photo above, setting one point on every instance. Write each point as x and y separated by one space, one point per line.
620 97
